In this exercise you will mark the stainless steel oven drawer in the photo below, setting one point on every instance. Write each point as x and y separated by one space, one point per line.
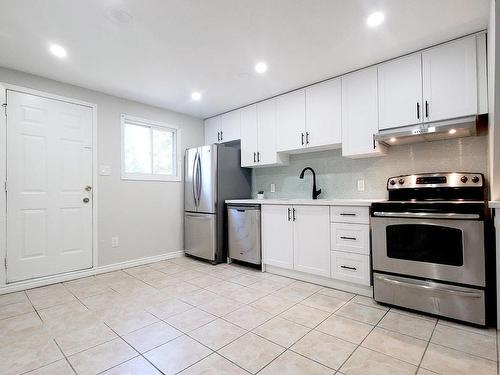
466 304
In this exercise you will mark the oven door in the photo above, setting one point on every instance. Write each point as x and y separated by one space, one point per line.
431 248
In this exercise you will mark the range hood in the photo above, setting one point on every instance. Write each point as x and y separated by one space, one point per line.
433 131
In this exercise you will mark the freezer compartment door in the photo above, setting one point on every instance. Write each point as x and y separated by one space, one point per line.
200 235
190 173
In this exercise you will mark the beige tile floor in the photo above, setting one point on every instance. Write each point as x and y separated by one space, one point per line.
185 316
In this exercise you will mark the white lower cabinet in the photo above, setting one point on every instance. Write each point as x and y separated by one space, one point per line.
350 244
296 237
277 235
311 240
351 267
352 238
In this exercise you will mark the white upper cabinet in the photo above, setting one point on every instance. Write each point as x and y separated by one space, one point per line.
311 241
450 80
360 114
400 92
249 136
291 121
266 135
230 126
324 114
223 128
258 136
212 130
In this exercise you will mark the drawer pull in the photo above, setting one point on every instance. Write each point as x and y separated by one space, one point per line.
348 238
349 268
347 214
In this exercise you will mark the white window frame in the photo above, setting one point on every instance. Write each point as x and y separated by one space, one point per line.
153 125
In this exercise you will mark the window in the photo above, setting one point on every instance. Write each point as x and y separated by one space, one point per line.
149 150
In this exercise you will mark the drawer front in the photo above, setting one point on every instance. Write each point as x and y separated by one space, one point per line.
455 302
354 268
353 238
350 214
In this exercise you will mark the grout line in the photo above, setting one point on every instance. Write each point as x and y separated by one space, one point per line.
64 355
427 346
187 268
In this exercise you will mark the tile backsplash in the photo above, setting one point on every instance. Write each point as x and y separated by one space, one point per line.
338 176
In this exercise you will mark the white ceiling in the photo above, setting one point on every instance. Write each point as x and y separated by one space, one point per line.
173 47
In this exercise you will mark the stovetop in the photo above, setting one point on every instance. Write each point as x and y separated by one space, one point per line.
437 188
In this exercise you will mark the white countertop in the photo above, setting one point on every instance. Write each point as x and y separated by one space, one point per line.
315 202
494 204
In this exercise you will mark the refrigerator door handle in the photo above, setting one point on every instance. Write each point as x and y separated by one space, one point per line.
198 180
195 172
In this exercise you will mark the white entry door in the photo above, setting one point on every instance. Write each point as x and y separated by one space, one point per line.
49 182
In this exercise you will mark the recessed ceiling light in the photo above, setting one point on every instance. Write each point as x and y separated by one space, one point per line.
375 19
452 131
261 67
196 96
58 51
392 140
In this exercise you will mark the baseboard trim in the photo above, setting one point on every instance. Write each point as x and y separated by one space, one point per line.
43 281
320 280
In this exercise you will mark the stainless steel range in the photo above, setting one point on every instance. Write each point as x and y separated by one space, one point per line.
428 244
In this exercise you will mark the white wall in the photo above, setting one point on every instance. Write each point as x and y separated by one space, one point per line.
146 216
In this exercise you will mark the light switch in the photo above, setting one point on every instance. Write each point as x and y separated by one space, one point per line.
273 188
105 170
361 185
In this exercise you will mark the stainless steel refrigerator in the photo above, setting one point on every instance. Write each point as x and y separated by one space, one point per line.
212 174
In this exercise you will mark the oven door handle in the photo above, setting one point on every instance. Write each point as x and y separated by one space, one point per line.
427 215
428 287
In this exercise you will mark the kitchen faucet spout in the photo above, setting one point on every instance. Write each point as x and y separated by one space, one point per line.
315 192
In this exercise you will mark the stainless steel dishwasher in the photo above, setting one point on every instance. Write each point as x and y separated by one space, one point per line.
244 233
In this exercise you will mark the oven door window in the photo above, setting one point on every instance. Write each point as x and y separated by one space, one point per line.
425 243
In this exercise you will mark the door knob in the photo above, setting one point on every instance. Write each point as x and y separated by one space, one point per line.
86 200
88 188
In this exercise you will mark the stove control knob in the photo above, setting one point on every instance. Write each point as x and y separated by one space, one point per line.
464 179
392 182
475 179
401 181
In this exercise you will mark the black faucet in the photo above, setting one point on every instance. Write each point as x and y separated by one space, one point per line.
315 192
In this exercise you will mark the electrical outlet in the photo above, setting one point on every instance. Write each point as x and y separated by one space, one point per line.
361 185
115 241
273 188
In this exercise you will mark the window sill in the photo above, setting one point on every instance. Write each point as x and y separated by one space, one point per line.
152 178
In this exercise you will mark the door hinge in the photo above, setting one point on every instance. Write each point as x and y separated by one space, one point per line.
5 262
4 105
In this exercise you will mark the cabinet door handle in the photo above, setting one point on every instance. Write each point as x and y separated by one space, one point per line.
426 109
307 138
289 213
221 135
218 136
254 155
349 268
347 214
302 138
348 238
293 214
258 156
374 145
418 111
